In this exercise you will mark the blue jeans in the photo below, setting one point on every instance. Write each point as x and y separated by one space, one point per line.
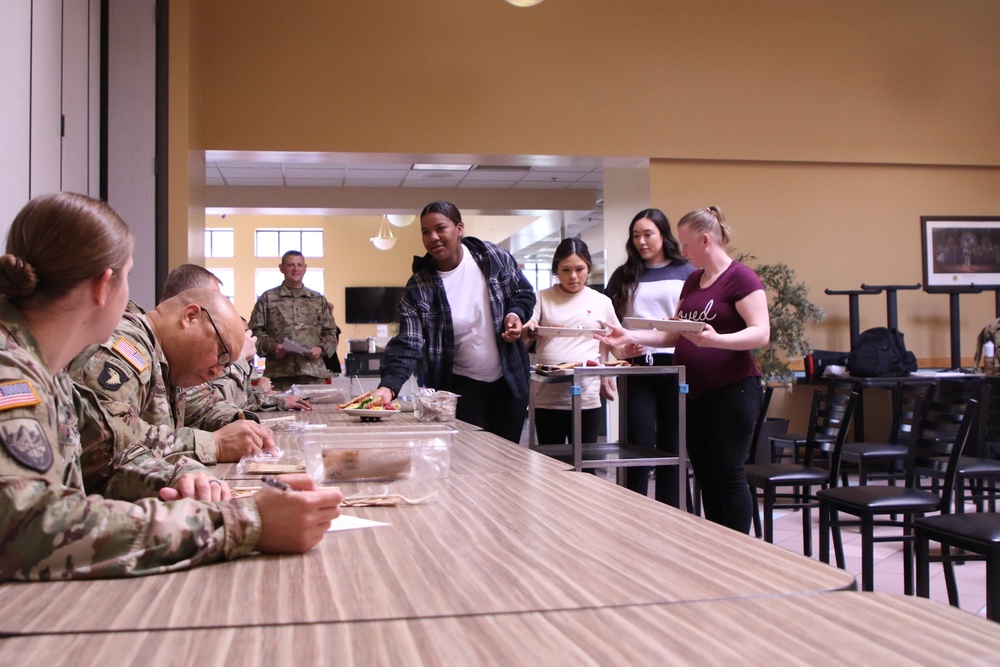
719 429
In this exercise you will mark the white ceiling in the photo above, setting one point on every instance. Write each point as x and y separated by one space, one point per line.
252 169
328 170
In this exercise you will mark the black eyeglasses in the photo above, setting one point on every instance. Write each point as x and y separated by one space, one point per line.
224 357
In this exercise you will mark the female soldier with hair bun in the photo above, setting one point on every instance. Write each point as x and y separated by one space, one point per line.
63 286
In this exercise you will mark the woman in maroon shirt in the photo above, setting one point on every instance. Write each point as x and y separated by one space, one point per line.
725 393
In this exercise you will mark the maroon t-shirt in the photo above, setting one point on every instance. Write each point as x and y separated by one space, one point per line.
709 368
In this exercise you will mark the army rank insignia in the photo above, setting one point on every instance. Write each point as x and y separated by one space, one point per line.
112 377
26 443
17 394
129 352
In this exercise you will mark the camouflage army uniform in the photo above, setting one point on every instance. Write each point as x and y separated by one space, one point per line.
49 527
212 405
130 375
301 315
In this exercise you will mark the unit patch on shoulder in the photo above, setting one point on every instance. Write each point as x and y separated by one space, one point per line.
128 352
26 443
112 377
17 394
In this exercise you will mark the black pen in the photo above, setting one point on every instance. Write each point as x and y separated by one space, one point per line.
275 482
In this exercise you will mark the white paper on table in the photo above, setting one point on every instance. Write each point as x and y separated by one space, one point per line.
348 522
291 346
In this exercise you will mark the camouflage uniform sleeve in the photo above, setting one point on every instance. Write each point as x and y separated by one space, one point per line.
328 332
207 407
258 324
133 401
50 529
135 471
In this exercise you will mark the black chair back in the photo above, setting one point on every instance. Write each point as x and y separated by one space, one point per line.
827 418
840 409
938 443
907 400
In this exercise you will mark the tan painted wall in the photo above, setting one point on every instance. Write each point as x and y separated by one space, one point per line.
869 84
828 80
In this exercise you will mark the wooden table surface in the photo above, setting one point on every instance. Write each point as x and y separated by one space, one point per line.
488 544
845 628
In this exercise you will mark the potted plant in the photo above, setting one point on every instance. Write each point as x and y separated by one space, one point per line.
790 310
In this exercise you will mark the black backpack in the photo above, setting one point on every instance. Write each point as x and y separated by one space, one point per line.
880 352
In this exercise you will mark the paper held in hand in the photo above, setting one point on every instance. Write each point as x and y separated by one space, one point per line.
663 325
291 346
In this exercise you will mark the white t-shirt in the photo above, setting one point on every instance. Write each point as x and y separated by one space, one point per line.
476 353
587 309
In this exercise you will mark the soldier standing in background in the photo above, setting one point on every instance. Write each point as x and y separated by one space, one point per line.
293 313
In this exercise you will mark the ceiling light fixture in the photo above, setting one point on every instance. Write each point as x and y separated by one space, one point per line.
401 220
442 167
524 3
384 239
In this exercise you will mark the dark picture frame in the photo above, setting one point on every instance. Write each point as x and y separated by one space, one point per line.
960 253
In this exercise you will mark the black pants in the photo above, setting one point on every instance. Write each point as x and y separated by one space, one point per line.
719 429
491 406
555 427
652 414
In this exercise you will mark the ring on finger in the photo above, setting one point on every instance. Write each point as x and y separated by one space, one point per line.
215 481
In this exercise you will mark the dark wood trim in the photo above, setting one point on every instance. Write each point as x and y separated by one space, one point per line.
162 221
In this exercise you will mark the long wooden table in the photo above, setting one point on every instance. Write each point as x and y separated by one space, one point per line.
492 543
849 628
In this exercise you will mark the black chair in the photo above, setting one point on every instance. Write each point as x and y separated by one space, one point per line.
979 468
830 415
888 456
978 533
940 430
793 444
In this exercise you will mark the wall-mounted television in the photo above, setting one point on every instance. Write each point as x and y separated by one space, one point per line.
371 305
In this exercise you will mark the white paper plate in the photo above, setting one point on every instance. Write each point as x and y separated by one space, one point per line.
369 415
567 331
663 325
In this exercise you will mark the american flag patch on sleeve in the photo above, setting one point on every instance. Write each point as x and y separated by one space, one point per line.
130 354
17 394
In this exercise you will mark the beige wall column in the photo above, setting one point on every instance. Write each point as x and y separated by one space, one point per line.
186 168
626 192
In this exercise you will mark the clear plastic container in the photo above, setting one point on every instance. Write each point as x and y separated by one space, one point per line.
380 462
323 393
436 406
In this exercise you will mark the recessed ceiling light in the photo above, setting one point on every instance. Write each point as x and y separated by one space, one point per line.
443 167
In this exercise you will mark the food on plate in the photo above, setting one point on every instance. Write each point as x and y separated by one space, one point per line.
618 362
366 401
565 366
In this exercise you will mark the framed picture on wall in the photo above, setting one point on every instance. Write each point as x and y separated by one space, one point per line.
960 254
